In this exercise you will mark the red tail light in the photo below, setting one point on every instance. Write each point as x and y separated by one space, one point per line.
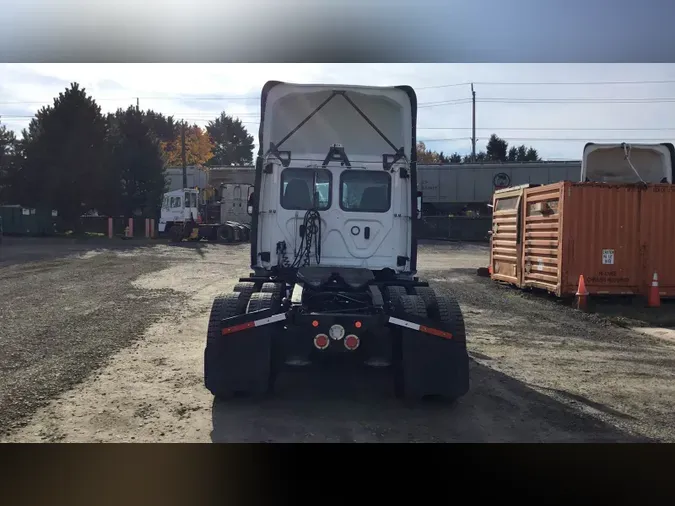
321 341
352 342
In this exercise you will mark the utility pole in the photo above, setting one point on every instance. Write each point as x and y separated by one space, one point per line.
182 153
138 106
473 129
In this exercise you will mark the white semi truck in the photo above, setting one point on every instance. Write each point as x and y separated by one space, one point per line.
185 217
334 250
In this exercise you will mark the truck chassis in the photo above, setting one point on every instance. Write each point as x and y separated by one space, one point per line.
227 232
321 311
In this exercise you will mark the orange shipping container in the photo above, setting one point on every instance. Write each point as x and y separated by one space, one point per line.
567 229
657 237
581 228
505 250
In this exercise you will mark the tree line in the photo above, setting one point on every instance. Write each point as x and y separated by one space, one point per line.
73 158
496 150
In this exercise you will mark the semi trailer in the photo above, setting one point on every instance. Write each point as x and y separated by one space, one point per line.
333 250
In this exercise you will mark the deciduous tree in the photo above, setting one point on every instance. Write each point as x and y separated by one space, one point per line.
198 147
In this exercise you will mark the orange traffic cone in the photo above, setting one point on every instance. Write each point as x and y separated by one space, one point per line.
582 295
654 299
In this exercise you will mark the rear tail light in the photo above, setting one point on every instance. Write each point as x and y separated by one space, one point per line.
321 341
352 342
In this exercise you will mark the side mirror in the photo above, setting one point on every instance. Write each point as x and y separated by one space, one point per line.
249 207
419 205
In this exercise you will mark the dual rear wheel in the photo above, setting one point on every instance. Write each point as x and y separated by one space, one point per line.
427 365
222 362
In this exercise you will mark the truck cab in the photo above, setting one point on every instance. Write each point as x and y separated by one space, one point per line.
178 207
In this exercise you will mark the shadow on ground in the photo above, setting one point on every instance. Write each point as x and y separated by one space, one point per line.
356 404
18 250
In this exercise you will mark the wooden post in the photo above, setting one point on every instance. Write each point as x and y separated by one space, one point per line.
131 227
152 228
147 228
110 228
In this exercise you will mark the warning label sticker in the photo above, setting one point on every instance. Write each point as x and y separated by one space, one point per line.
608 257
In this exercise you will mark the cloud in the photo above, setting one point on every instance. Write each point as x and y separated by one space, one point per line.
199 92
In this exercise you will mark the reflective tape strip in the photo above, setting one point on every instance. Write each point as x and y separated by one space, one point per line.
403 323
421 328
256 323
272 319
436 332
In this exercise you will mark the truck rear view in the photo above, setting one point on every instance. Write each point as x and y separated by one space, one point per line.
334 250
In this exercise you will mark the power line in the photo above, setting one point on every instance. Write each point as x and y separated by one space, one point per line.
179 97
561 129
500 100
445 102
545 83
439 86
580 100
211 114
552 139
453 85
575 83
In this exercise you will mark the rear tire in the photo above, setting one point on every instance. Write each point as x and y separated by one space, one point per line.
430 299
225 371
260 301
450 314
276 289
245 290
225 234
176 233
224 306
394 294
412 305
430 366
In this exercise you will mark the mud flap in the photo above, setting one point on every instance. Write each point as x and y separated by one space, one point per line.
431 365
241 359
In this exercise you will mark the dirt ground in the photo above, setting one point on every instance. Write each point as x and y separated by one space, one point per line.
103 341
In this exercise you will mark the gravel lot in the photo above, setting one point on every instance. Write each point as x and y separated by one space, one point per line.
103 341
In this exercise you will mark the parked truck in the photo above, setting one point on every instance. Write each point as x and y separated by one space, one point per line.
628 163
213 215
335 217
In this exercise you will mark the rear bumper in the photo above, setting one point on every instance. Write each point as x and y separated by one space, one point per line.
320 323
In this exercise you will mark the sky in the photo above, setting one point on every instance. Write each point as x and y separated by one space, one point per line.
555 108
